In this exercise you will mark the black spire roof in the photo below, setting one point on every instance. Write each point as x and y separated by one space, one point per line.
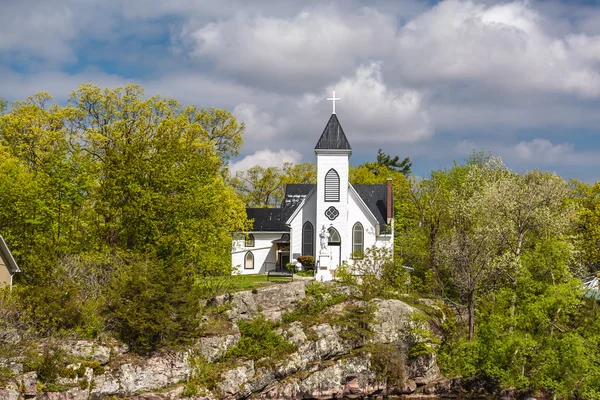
333 137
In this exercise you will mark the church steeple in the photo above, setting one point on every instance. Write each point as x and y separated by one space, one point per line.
333 137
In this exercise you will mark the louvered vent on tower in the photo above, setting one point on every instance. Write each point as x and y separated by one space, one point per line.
332 186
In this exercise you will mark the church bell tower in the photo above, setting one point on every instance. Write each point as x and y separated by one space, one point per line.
333 151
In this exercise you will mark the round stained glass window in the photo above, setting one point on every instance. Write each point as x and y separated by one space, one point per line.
332 213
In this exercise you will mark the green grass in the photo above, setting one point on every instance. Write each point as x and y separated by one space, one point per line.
214 286
249 282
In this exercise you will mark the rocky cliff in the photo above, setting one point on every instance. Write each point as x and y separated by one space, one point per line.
330 354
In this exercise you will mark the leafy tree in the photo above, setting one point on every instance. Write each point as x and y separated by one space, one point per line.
521 207
299 173
265 186
3 106
159 166
390 163
259 186
586 200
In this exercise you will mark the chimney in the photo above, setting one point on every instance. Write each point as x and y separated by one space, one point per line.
389 201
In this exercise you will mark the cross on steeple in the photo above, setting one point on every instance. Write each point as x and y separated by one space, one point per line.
333 100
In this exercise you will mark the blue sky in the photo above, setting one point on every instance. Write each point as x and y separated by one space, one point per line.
429 80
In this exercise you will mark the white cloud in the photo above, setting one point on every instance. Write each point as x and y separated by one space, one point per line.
543 150
39 28
260 125
501 45
266 158
315 45
535 152
379 113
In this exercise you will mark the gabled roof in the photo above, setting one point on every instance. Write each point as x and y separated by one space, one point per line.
7 256
333 137
375 197
274 219
266 219
293 209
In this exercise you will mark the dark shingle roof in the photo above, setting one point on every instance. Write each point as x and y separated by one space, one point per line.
273 219
266 219
333 137
294 195
375 197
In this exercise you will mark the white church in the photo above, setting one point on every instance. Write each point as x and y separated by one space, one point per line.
331 221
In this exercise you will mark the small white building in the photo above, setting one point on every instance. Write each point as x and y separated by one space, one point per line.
8 266
355 217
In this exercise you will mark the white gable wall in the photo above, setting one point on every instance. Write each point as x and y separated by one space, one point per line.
263 250
306 213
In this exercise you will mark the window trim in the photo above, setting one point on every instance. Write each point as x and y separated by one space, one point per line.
331 236
246 259
336 194
249 241
305 226
358 226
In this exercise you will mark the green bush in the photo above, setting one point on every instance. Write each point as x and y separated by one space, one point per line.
319 296
380 275
259 339
290 267
355 322
204 375
49 366
387 361
306 261
50 309
151 303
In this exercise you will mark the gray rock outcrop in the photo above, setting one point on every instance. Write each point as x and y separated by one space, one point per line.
324 365
271 301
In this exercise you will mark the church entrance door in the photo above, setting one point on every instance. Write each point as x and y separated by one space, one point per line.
285 259
336 255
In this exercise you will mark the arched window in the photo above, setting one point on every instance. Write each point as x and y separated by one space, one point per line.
249 240
334 236
358 239
249 260
308 239
332 186
285 236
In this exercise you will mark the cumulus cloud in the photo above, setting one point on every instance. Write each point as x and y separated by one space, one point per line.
501 45
260 125
380 113
266 158
39 28
536 152
312 46
542 149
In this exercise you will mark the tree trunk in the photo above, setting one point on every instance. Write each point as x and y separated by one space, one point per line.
471 310
513 301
